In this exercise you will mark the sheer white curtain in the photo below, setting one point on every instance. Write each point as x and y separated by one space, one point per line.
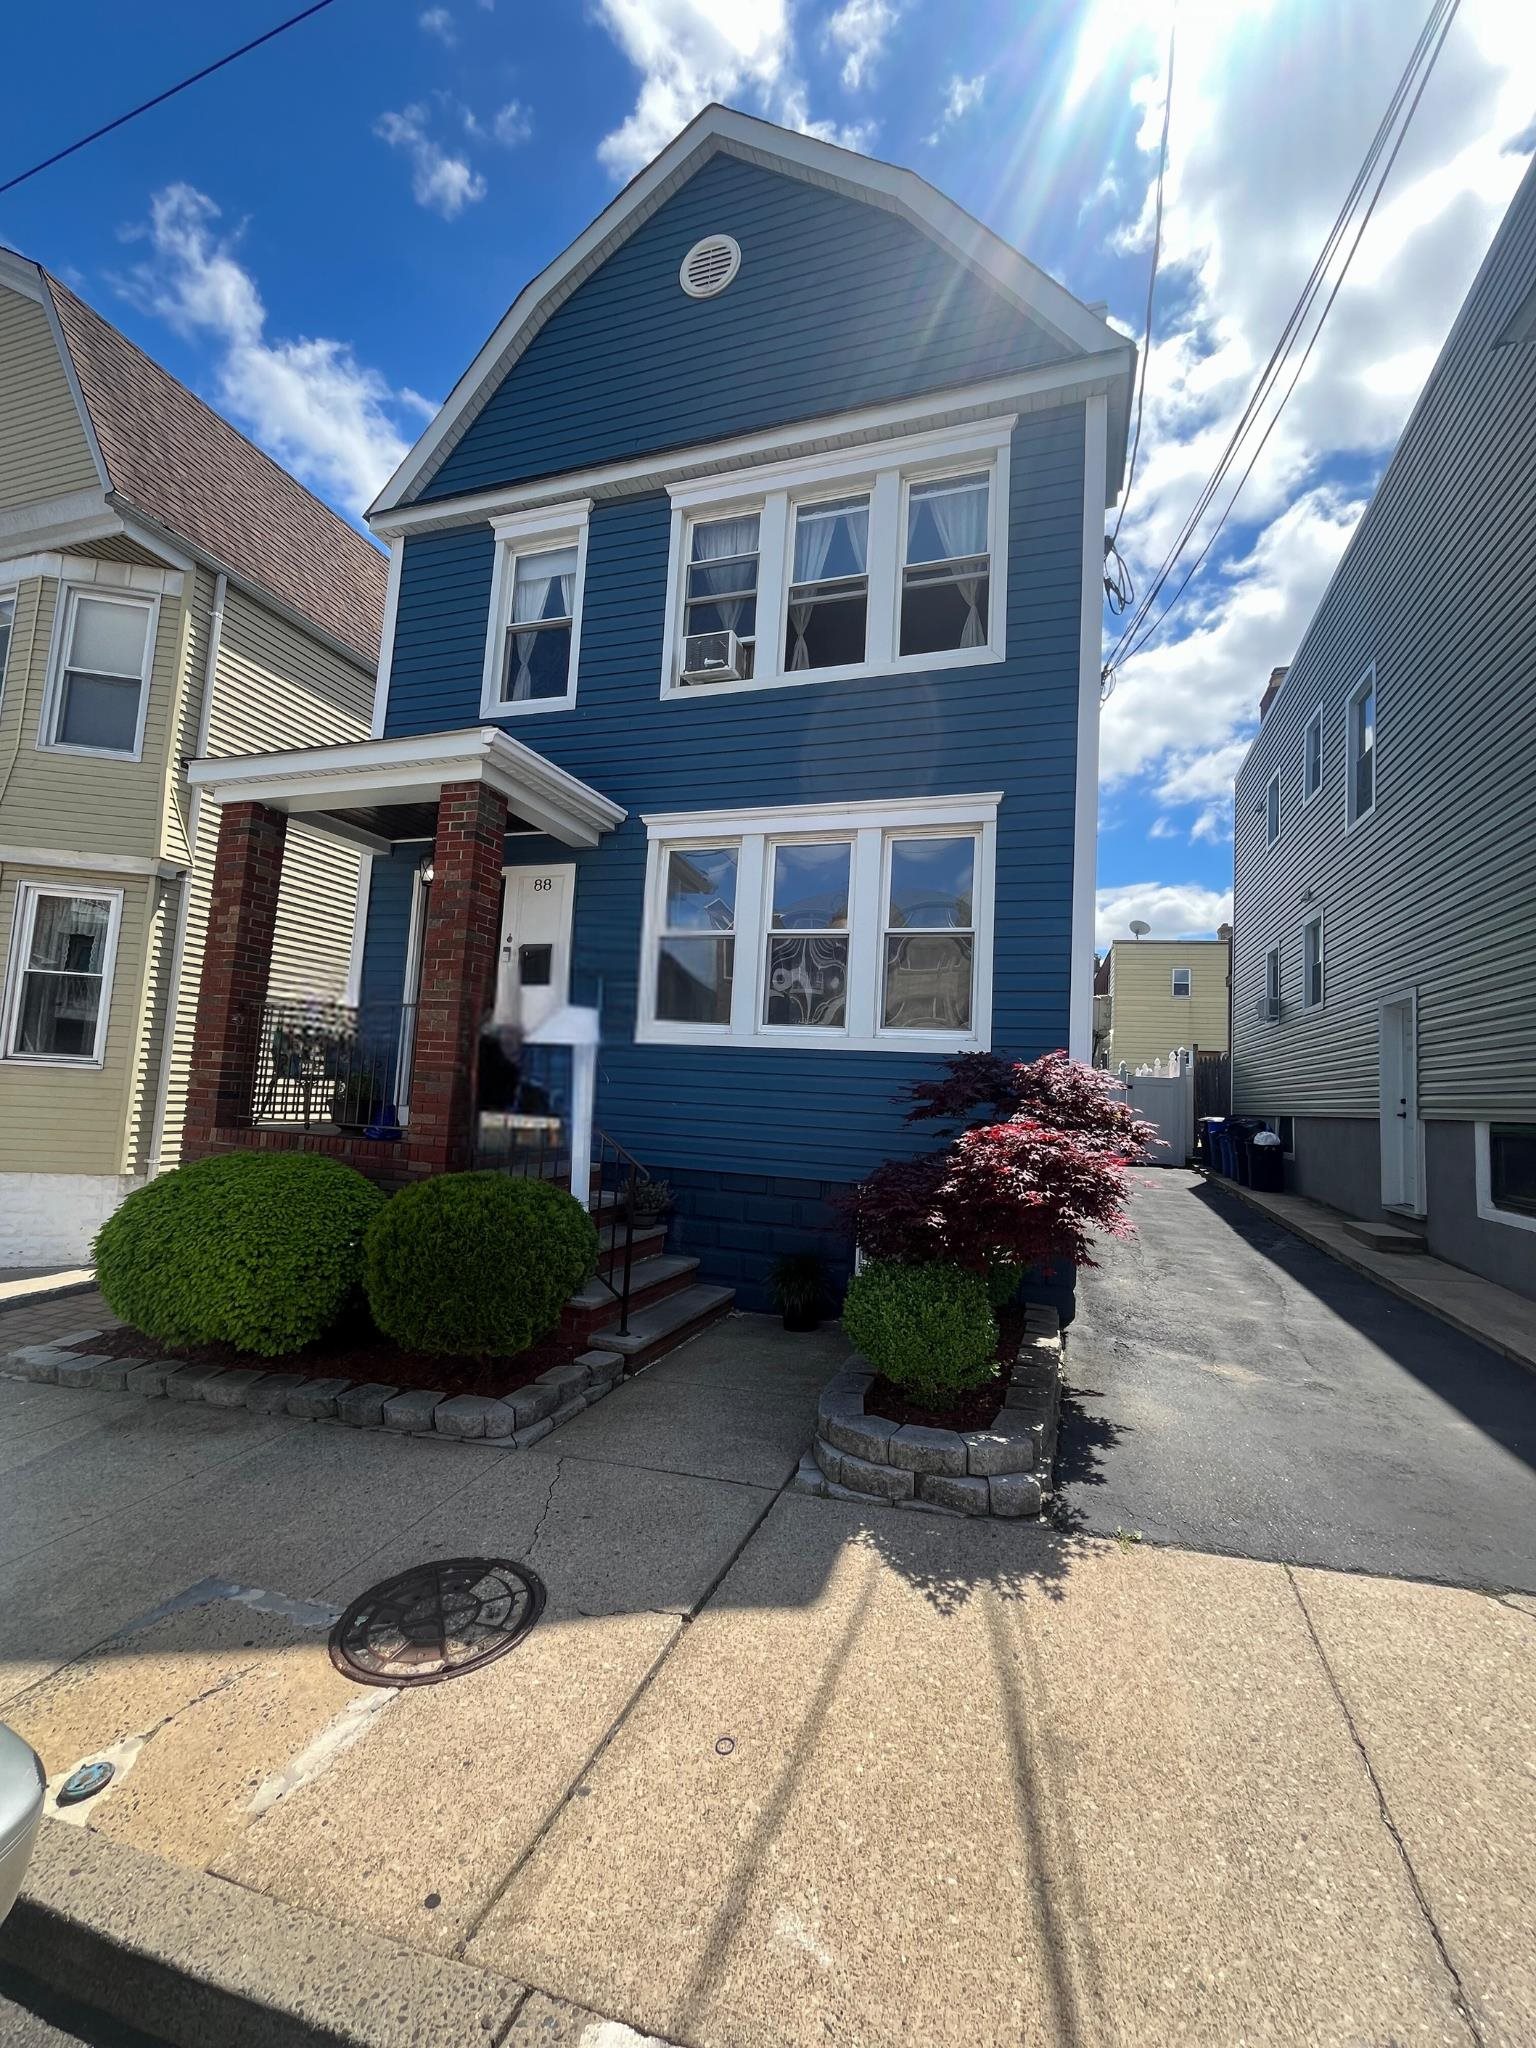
961 517
717 541
816 528
544 591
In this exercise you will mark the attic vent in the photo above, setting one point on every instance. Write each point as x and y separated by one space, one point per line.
709 266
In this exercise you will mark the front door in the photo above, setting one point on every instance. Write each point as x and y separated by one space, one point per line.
534 975
1401 1186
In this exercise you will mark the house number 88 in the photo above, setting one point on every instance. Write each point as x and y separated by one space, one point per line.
542 883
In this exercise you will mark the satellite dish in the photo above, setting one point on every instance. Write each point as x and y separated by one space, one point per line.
1139 927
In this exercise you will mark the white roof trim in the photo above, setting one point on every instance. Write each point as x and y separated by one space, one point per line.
721 129
358 774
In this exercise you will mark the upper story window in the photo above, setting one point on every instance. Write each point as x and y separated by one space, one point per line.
534 637
1312 963
1182 981
1312 757
1362 748
99 688
60 985
864 928
867 562
1272 982
1272 811
7 620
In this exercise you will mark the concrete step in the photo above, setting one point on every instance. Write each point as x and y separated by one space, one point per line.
1384 1237
657 1328
649 1243
647 1277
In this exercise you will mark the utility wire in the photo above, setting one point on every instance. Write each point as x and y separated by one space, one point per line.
1420 65
161 97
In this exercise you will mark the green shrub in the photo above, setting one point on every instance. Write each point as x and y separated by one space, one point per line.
928 1328
476 1262
1003 1283
256 1249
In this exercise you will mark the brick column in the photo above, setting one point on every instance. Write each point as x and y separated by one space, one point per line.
460 936
242 918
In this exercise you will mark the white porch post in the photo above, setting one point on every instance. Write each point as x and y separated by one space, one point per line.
577 1028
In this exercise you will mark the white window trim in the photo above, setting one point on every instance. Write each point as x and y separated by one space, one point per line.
1176 994
23 924
1486 1207
1314 723
1272 787
70 594
1352 817
1307 1003
884 469
532 533
866 826
1273 994
9 593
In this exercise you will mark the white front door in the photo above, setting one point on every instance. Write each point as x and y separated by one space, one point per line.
1401 1182
534 975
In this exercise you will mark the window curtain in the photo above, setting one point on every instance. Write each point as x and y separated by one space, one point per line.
814 534
961 517
545 589
718 542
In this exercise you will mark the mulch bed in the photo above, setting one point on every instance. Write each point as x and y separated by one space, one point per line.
356 1351
976 1408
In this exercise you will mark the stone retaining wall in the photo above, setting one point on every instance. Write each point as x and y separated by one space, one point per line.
523 1417
1004 1470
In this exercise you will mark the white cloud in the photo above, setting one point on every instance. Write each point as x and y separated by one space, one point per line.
513 124
437 21
960 97
439 180
1233 263
309 402
859 29
1174 910
690 52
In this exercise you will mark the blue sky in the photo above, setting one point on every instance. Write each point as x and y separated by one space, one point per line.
319 238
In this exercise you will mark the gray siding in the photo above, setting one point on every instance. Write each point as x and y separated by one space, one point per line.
1436 889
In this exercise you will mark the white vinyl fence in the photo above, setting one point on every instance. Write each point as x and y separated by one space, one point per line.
1164 1094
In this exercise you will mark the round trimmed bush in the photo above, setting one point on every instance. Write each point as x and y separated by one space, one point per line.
256 1249
929 1328
476 1262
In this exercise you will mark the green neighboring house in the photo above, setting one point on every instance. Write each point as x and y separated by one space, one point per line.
166 591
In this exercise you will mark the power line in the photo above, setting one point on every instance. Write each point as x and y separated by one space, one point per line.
1420 66
161 97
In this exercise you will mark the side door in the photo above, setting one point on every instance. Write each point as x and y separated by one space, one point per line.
533 976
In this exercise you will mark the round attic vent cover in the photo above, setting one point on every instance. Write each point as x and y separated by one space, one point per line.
709 266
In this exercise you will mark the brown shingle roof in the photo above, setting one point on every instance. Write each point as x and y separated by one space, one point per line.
190 471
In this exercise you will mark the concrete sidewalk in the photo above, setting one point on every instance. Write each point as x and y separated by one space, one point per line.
774 1770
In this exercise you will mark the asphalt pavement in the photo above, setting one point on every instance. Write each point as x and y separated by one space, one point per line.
1233 1389
33 2015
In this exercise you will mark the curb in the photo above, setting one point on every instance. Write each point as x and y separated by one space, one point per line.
1385 1281
30 1293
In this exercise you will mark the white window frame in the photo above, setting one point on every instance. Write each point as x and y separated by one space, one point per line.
1272 983
1322 962
1489 1212
28 896
70 595
1187 993
1363 688
1313 725
1272 811
8 595
886 470
869 827
532 533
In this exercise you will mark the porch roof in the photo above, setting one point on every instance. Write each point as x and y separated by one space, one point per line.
375 792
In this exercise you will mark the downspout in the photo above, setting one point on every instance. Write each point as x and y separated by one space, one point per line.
179 949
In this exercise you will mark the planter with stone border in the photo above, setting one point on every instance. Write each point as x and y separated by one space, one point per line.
524 1416
1004 1471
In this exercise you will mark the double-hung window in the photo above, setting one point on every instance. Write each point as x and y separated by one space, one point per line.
828 619
60 984
7 620
100 684
1181 981
1312 757
1272 811
946 574
1312 963
1362 748
721 597
1272 982
534 641
863 926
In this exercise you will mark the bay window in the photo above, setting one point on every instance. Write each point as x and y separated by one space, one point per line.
534 638
864 926
96 698
60 983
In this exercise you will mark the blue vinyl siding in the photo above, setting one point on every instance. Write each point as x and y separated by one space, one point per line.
837 304
729 1109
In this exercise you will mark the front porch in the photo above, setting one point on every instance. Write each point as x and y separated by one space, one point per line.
389 1086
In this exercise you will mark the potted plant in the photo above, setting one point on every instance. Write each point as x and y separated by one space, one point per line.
649 1200
800 1289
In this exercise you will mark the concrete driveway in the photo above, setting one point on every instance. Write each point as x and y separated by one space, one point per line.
1236 1390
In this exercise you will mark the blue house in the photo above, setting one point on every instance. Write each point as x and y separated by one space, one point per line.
740 682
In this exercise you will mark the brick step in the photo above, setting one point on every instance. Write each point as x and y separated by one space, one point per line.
589 1313
1384 1237
661 1326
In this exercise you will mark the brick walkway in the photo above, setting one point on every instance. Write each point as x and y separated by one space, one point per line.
38 1322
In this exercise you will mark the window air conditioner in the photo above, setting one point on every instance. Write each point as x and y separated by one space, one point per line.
1267 1009
711 658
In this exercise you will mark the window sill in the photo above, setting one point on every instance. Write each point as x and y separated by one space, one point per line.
29 1059
939 1043
90 753
850 672
529 709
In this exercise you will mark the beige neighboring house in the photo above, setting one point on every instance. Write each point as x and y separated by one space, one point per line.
1154 995
166 591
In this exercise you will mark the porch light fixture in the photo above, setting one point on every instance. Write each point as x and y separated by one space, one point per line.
427 872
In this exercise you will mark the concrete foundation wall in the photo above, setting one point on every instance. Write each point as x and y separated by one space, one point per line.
49 1219
1338 1161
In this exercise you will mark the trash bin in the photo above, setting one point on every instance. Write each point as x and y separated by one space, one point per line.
1207 1134
1243 1130
1266 1158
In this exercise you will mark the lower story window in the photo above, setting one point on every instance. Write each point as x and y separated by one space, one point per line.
1512 1167
60 982
863 926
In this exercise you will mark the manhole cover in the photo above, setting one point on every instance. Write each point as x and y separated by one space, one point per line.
435 1621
